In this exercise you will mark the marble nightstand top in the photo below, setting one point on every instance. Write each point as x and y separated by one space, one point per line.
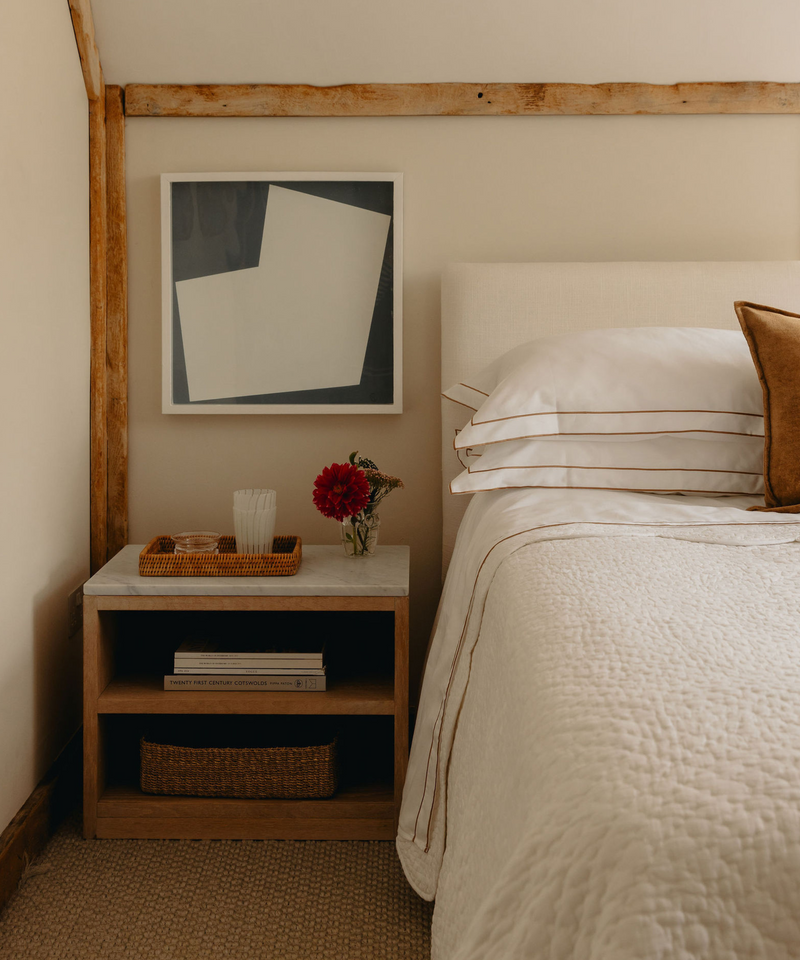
324 572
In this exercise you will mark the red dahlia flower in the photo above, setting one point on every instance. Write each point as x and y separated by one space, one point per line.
341 491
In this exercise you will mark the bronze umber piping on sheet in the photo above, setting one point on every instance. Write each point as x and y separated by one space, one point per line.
459 402
468 387
575 466
603 413
582 433
545 486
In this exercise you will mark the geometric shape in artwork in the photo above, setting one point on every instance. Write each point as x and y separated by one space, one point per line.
301 319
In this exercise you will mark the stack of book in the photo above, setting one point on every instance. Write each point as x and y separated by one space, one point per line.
206 665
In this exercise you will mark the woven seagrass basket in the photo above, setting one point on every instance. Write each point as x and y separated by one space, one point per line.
158 559
284 773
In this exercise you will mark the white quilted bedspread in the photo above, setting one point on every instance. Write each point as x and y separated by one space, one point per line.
614 737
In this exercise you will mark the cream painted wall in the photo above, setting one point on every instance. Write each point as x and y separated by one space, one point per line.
560 188
44 388
362 41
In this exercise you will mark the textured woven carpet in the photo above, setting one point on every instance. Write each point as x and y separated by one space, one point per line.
191 900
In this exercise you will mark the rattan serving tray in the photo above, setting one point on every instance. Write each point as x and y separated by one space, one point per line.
158 560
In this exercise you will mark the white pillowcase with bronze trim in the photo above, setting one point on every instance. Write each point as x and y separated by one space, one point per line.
633 382
660 465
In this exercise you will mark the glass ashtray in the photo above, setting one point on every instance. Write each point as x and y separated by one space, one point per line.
196 541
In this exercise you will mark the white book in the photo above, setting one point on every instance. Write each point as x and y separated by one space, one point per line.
289 684
239 663
251 650
253 671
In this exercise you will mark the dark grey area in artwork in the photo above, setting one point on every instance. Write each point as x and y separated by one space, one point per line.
217 227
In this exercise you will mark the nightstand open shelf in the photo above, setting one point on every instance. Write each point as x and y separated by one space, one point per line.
364 809
131 628
145 694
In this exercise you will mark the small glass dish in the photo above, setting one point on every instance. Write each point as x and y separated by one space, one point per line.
196 541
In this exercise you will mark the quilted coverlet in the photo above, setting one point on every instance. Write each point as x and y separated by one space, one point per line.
607 757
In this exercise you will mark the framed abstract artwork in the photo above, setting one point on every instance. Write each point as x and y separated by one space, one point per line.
282 292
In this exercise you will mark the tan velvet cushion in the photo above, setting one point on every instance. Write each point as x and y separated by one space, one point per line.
774 340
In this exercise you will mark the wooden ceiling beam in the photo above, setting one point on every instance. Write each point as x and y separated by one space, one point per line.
83 24
458 99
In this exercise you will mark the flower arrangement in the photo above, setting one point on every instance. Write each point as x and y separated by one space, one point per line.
350 492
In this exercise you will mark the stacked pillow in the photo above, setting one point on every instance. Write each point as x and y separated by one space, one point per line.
657 409
773 337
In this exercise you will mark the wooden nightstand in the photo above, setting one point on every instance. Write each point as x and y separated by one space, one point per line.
132 626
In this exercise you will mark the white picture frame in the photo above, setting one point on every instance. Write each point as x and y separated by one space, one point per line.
281 293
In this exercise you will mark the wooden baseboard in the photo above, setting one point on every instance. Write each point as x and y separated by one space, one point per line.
25 837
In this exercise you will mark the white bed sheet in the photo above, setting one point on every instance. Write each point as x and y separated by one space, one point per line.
579 541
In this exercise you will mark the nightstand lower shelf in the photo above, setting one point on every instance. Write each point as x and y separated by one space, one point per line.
365 812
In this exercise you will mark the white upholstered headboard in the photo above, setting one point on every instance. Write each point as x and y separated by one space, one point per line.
487 308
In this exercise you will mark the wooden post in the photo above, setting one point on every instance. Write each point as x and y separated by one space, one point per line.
83 25
116 326
98 669
99 289
98 500
400 700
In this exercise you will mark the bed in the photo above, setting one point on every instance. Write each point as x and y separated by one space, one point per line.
606 759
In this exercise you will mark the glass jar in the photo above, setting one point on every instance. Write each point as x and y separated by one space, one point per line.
196 541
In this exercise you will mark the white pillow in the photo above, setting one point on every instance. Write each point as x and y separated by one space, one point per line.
633 382
660 465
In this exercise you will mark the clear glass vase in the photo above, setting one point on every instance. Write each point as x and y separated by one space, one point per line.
360 534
